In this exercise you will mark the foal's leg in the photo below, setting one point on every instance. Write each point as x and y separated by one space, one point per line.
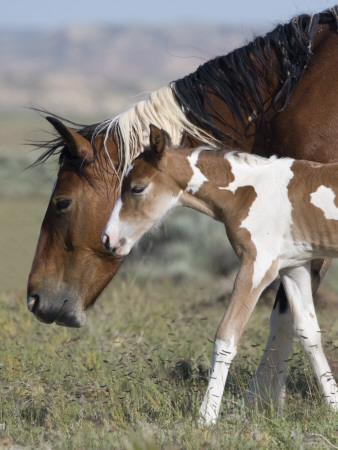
297 284
268 384
242 303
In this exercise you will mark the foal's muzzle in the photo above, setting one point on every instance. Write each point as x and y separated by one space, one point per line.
117 250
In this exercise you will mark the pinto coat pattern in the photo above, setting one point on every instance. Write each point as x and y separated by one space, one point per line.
279 214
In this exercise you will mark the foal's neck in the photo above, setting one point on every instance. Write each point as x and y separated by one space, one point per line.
205 177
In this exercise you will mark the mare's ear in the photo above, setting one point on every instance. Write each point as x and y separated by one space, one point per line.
78 146
159 139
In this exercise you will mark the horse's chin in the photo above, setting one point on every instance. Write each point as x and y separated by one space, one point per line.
122 250
70 320
73 320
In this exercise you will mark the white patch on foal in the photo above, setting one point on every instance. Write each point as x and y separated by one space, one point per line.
324 198
197 178
270 184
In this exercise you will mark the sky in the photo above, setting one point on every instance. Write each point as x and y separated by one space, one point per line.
58 13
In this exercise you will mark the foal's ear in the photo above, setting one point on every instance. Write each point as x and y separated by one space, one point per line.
159 139
78 146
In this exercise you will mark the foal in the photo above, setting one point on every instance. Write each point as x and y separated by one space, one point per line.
279 214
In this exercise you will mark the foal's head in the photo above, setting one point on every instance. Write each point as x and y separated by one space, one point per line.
148 192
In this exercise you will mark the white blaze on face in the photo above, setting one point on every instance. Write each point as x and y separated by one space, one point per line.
272 203
113 226
197 178
324 198
118 230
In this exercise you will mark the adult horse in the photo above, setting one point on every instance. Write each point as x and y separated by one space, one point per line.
276 95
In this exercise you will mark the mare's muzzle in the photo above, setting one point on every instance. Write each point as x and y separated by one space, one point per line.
59 310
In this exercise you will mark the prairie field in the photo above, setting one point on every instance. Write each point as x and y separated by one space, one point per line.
134 376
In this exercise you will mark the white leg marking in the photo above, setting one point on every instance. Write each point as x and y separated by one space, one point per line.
268 384
324 198
197 178
297 284
223 354
242 303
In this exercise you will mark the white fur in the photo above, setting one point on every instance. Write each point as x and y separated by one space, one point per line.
270 184
269 382
112 229
223 354
197 178
324 198
297 284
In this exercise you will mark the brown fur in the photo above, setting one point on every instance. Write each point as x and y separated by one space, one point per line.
311 217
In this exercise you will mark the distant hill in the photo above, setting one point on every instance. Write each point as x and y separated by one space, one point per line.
99 71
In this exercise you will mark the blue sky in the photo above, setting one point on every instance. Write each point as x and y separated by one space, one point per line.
57 13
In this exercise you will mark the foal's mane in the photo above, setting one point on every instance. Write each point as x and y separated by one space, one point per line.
181 106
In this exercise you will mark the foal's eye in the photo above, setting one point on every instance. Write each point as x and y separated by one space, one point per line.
62 204
137 189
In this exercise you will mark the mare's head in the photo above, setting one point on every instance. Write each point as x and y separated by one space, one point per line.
70 267
148 192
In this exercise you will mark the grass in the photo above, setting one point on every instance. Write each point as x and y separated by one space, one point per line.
134 377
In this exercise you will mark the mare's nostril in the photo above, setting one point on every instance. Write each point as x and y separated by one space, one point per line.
32 303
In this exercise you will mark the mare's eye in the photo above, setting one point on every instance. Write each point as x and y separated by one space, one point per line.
137 189
62 204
